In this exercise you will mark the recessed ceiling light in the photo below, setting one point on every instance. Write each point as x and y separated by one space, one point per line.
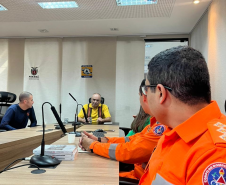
62 4
196 1
135 2
2 8
43 30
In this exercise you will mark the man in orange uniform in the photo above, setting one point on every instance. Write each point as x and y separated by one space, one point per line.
178 92
134 149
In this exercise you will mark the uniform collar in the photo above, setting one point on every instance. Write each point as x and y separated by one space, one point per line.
90 105
196 124
152 121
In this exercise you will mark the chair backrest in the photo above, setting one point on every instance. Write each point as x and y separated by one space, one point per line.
225 106
101 101
5 99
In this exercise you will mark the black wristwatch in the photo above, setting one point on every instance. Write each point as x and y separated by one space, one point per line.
99 139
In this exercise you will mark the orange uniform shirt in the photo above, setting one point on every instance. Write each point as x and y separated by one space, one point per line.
193 153
134 149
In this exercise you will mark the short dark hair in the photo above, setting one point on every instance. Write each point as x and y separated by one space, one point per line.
185 71
24 95
142 85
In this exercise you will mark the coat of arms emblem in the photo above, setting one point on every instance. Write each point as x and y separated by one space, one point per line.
34 70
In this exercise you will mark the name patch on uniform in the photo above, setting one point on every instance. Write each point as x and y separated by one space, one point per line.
158 130
214 174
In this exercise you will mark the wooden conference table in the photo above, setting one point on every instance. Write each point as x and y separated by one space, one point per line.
87 168
20 143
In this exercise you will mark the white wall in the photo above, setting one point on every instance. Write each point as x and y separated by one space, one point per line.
129 74
99 52
15 66
117 73
118 69
3 64
44 54
209 38
199 36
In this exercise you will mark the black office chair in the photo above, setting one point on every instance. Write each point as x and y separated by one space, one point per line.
125 130
225 106
127 181
6 100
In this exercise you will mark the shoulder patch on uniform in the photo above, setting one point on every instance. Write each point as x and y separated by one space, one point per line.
222 130
219 124
217 132
158 130
214 174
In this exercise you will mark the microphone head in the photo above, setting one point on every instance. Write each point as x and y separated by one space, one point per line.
73 97
58 119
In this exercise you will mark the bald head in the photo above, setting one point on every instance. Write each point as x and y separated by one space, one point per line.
95 100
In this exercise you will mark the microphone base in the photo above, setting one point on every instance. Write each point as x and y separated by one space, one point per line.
77 134
44 160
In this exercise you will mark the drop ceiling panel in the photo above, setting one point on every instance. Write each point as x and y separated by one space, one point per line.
29 10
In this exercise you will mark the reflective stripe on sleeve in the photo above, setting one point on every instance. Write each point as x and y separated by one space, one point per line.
160 181
111 152
127 139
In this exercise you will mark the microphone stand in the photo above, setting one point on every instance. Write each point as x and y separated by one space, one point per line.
77 134
42 159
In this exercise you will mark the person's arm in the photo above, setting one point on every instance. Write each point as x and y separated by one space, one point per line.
107 115
102 120
81 116
32 118
140 144
6 119
81 120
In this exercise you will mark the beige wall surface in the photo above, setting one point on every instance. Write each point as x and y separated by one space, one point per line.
3 64
118 69
209 37
101 54
72 53
15 66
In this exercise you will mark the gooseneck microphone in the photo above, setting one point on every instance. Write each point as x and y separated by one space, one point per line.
73 97
42 159
85 114
58 119
77 110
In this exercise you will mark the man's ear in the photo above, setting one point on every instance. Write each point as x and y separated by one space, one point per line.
145 100
161 91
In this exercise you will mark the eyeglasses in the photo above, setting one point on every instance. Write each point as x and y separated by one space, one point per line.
145 88
141 91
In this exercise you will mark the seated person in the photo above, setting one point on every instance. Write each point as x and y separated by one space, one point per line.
141 120
16 116
135 149
179 95
139 123
97 111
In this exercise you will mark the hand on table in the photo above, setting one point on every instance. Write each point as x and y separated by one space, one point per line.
100 120
86 140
